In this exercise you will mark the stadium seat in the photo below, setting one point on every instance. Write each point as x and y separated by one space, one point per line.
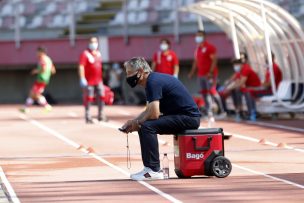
142 17
50 8
188 17
59 21
170 18
119 19
283 93
144 4
132 17
7 10
36 22
165 5
133 5
81 7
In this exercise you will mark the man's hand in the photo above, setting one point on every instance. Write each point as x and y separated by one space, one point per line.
34 71
210 75
83 82
131 126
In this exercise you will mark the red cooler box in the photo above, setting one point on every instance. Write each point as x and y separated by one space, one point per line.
200 152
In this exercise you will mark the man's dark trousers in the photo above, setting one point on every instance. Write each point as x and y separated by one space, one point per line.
169 124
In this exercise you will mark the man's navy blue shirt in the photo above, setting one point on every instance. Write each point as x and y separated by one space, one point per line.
173 96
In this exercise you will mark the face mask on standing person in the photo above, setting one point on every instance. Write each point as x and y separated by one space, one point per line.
93 46
199 39
164 47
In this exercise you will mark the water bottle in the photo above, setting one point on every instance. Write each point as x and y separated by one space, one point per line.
166 166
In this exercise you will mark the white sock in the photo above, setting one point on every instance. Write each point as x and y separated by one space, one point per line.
29 101
42 101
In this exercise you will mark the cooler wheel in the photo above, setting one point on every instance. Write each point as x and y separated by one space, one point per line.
221 167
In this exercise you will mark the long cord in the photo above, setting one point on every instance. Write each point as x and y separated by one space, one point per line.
128 153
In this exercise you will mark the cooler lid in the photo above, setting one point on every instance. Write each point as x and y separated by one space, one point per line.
201 131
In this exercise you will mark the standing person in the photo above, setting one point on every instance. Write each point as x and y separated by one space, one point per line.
170 110
205 64
44 70
165 60
90 74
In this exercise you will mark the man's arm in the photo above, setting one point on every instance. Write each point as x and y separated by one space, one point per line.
213 64
241 82
83 81
152 112
193 69
176 71
38 71
53 70
81 71
153 65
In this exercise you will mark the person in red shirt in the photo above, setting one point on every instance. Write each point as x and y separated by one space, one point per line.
165 60
278 76
90 73
205 64
249 79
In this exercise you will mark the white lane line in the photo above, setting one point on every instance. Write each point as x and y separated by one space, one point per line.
266 142
269 176
276 126
75 145
9 188
251 139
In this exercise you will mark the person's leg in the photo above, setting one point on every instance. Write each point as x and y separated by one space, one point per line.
100 92
88 99
251 106
164 125
237 102
223 96
205 88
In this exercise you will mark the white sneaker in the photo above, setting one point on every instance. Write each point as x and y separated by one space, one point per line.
147 174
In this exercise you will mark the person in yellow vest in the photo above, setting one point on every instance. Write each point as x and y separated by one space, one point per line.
45 69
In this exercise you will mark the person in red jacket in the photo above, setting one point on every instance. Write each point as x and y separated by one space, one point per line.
248 80
90 74
265 88
231 88
165 60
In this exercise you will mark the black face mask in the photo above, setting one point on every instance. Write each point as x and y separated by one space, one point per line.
133 80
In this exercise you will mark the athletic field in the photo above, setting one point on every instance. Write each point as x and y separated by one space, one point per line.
56 157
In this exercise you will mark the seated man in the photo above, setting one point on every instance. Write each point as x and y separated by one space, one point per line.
248 80
265 89
231 88
170 110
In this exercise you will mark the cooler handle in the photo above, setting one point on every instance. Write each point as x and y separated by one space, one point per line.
209 139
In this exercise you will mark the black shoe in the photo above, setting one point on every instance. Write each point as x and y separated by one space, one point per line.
103 118
89 121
